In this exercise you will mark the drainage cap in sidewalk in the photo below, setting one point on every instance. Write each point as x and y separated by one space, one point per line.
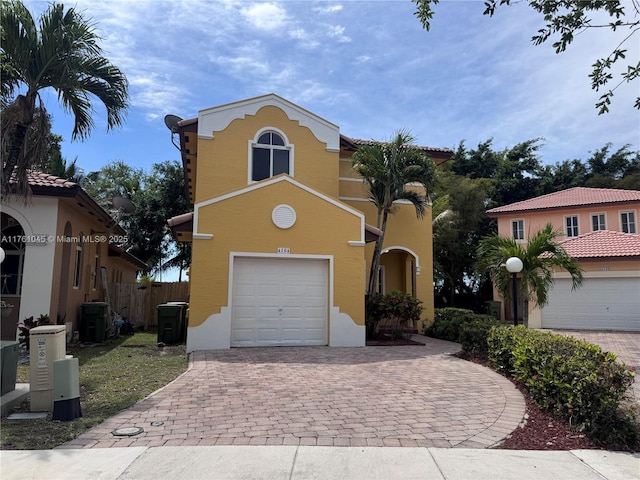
127 431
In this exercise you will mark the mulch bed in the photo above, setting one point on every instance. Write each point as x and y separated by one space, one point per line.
542 431
539 430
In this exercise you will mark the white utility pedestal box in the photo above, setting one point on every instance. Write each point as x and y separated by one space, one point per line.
46 345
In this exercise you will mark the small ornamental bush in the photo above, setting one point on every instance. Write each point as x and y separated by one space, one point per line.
569 377
396 310
473 335
447 323
374 312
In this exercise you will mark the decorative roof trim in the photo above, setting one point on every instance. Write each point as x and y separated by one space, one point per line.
218 118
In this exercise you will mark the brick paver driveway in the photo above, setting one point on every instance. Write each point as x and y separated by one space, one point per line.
371 396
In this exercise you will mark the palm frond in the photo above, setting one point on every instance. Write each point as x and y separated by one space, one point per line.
541 256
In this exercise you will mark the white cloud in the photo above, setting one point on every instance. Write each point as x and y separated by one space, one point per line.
328 9
366 66
337 31
265 16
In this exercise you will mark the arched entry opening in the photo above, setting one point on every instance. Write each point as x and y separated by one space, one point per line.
398 269
13 237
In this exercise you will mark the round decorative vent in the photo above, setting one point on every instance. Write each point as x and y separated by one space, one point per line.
284 216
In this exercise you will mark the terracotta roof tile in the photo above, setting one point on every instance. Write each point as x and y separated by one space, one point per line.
573 197
603 243
45 180
359 141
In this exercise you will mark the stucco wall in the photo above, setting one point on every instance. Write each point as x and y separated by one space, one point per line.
406 231
535 221
223 162
243 223
38 217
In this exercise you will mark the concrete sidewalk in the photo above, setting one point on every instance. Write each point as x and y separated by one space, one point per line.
306 463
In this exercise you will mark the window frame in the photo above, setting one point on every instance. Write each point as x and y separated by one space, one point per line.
574 227
77 268
604 221
634 223
254 143
519 229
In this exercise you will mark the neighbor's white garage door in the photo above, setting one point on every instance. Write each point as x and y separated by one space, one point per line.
600 304
279 301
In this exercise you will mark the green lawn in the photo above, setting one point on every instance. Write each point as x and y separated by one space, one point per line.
113 376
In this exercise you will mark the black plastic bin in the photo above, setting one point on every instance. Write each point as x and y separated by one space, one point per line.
8 365
93 322
172 324
493 308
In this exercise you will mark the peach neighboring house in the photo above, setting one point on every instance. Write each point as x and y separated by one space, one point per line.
282 230
600 228
57 245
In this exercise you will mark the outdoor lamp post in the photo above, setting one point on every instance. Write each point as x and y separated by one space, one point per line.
514 266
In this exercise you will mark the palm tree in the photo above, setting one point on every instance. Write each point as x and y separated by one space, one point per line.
540 256
387 168
62 53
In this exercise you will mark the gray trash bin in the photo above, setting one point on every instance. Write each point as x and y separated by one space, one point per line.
8 365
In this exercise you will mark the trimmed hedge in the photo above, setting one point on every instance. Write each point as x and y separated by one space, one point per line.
447 322
572 378
473 335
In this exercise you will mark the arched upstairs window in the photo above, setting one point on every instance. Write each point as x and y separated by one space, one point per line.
270 156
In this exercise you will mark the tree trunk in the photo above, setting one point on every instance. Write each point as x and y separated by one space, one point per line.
26 106
14 152
377 253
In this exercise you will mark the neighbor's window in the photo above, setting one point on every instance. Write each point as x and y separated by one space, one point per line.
517 229
628 222
270 156
77 271
597 222
96 266
572 226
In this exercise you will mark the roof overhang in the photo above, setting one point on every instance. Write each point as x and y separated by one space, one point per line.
116 251
182 227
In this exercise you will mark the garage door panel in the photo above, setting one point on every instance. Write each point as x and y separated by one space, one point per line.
288 306
245 290
600 304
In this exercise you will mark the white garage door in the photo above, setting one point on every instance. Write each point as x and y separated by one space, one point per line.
279 302
600 304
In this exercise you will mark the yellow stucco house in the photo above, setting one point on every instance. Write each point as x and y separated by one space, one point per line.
282 230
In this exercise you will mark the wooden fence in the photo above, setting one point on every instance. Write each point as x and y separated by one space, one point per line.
138 303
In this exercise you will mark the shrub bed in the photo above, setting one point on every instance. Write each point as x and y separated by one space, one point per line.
447 322
569 377
473 335
395 311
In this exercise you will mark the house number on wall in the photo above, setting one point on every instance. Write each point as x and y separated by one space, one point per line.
284 250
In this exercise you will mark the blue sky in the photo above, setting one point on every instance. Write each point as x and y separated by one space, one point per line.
367 66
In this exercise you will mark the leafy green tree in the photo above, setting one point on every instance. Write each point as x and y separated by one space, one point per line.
61 52
540 256
565 19
56 165
165 197
157 196
563 175
115 179
514 172
482 162
619 169
387 168
456 234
